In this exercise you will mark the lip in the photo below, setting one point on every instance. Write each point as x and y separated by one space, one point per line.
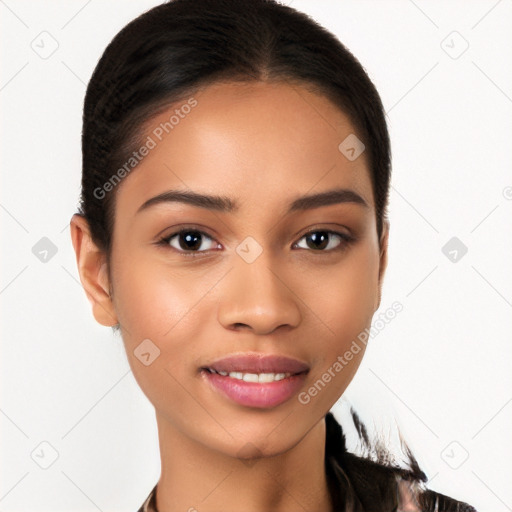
256 394
258 363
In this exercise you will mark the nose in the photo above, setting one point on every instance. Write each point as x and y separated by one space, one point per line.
259 297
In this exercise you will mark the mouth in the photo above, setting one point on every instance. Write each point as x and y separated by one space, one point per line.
255 380
256 364
260 378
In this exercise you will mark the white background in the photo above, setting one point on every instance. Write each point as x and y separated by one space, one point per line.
440 370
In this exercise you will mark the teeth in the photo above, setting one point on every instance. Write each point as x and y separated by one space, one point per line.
253 377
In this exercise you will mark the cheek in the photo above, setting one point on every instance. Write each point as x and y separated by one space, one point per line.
155 309
174 308
343 295
343 299
151 299
167 306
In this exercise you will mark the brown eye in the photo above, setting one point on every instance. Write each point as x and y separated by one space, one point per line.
189 240
324 240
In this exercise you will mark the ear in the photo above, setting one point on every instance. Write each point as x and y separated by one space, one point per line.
92 268
383 258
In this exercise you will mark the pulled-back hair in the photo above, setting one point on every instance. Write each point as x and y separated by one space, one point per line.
173 50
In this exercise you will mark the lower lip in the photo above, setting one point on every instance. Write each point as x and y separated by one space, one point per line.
255 394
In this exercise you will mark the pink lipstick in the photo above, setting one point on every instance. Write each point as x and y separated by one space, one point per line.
256 380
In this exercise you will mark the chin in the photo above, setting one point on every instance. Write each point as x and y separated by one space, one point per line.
262 441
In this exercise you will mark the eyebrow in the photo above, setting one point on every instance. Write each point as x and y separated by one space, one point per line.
225 204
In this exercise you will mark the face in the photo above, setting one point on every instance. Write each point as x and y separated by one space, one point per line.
257 273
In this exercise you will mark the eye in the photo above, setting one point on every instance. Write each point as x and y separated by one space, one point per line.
321 240
188 241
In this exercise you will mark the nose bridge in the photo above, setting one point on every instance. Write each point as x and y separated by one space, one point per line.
255 294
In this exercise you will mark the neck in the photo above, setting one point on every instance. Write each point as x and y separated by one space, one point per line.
196 477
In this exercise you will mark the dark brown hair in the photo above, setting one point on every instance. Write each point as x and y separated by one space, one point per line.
173 50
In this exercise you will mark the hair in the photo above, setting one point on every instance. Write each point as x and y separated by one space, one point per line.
379 471
175 49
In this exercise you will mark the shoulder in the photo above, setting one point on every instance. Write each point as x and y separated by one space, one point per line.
373 481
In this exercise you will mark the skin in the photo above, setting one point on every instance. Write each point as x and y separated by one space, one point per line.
263 145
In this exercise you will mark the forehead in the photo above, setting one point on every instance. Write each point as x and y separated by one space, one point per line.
258 142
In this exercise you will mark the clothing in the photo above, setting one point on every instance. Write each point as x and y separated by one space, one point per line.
359 484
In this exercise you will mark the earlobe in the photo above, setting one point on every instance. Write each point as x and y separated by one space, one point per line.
93 271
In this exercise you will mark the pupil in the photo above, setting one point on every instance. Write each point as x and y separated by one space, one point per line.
321 238
192 241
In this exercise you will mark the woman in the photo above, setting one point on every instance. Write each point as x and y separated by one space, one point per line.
233 227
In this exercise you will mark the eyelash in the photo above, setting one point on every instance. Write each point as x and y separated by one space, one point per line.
346 240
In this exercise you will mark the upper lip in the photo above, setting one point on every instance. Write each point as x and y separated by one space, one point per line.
258 363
